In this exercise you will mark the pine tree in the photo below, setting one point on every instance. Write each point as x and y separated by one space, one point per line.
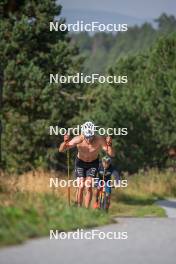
29 53
146 105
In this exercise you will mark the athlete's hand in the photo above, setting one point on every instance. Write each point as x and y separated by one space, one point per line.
109 141
66 138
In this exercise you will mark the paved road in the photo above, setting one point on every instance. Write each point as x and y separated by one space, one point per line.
150 240
169 206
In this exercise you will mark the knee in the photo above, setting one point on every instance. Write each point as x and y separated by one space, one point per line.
81 188
88 185
80 182
89 189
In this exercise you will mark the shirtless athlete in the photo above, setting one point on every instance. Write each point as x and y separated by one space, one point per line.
87 160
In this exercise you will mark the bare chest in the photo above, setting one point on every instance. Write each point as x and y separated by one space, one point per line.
91 148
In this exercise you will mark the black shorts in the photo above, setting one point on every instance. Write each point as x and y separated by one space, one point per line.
86 169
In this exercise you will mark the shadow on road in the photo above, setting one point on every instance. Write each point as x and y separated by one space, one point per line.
167 203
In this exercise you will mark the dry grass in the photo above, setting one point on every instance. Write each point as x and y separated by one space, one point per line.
30 208
154 183
33 182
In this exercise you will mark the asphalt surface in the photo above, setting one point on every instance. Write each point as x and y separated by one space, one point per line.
150 240
169 206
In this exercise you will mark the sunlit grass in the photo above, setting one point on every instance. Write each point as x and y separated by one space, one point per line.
30 208
33 215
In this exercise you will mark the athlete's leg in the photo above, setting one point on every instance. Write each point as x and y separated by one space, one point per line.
96 194
108 195
76 196
80 174
88 185
81 181
90 175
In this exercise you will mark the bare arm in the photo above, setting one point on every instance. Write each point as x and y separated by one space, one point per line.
70 144
107 146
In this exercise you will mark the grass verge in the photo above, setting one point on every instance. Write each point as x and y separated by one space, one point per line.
30 208
33 215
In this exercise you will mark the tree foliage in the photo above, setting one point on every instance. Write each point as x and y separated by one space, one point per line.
146 106
101 50
29 53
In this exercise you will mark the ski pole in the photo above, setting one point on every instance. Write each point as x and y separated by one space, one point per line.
102 196
68 170
68 176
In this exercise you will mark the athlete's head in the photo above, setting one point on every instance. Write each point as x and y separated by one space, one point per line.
106 161
88 130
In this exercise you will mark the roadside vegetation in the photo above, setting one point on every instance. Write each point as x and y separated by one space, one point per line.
143 190
30 208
